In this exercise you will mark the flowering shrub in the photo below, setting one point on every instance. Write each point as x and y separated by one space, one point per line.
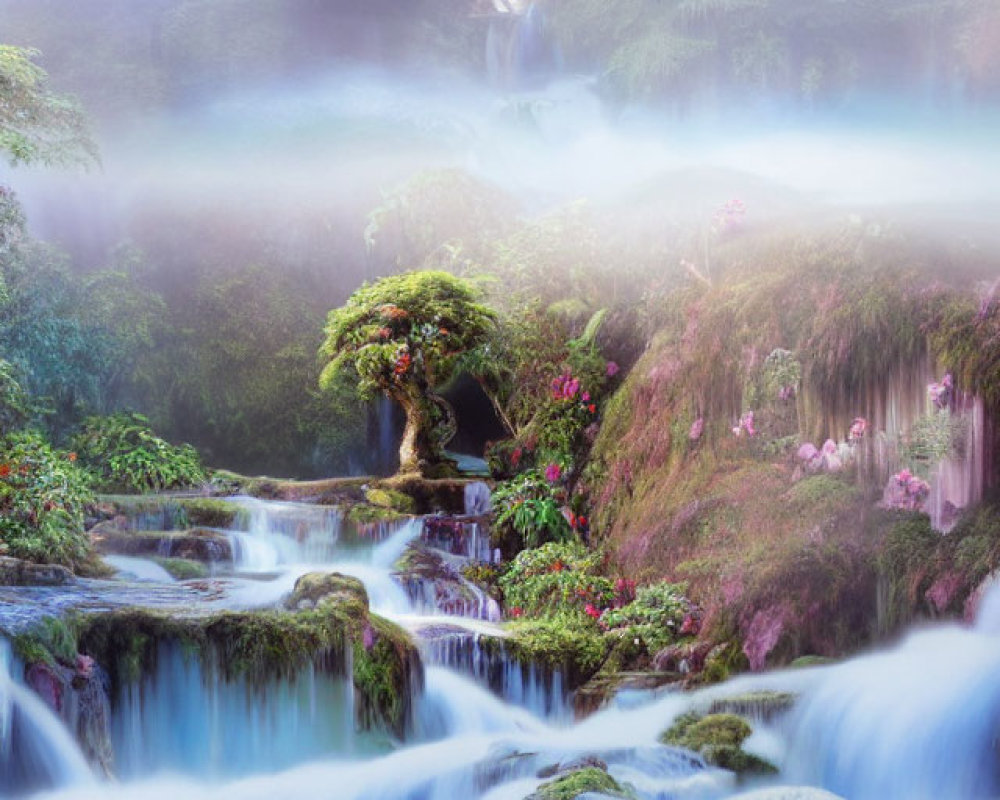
556 579
659 615
906 491
42 497
530 506
858 429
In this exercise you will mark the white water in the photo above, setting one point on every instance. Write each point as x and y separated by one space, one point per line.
919 720
139 569
35 747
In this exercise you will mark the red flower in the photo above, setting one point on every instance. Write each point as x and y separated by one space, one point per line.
557 566
592 408
516 612
71 456
591 611
515 456
581 520
4 470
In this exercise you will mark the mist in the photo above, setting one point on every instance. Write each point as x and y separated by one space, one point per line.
235 135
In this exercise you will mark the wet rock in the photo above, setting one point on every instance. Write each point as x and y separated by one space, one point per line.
78 694
434 583
316 588
15 572
572 766
198 544
718 738
577 783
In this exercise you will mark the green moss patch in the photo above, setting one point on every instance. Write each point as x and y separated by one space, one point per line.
183 569
574 784
718 738
557 644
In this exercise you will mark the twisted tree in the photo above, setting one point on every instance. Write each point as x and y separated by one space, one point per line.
406 336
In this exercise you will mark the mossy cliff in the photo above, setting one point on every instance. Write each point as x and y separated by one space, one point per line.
696 476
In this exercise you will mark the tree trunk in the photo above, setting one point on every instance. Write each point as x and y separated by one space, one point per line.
417 448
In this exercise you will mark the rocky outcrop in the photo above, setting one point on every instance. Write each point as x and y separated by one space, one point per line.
198 544
15 572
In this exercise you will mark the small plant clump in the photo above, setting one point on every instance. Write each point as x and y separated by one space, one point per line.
124 454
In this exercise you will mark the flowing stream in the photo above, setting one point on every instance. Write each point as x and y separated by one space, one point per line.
919 720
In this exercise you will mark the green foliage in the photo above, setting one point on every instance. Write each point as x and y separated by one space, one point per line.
580 782
125 455
655 616
556 578
37 125
42 499
15 406
530 507
559 642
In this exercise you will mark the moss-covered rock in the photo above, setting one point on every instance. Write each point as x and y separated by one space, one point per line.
719 738
695 733
385 497
183 569
208 512
321 588
573 784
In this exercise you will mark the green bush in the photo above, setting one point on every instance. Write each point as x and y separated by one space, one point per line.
530 507
556 578
124 454
656 615
42 498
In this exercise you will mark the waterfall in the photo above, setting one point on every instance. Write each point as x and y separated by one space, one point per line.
541 691
139 569
185 717
36 750
268 535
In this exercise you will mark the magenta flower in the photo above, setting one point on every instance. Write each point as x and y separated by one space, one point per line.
612 369
552 472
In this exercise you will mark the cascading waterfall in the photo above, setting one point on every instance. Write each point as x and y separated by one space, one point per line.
267 535
919 720
186 717
35 748
541 691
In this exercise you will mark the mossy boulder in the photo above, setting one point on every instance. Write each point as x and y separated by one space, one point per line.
578 782
695 733
718 738
324 588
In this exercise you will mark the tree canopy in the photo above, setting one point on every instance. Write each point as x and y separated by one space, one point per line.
405 335
36 124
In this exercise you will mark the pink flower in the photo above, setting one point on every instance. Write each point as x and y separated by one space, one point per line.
591 610
552 472
585 397
696 429
612 369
